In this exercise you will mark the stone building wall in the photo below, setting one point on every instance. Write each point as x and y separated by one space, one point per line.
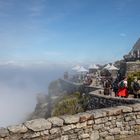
129 67
112 123
132 67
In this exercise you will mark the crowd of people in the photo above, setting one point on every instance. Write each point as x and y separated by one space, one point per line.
120 88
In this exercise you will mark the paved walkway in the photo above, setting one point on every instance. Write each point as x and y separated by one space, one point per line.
132 138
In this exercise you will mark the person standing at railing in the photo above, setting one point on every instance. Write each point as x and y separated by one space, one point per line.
107 87
135 88
123 91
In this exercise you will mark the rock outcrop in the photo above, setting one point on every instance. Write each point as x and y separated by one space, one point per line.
134 54
56 91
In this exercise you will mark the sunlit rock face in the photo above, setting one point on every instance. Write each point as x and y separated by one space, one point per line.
131 62
134 54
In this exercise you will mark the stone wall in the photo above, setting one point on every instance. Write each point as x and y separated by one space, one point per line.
97 101
117 118
100 124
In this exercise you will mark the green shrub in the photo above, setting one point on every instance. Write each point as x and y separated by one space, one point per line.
131 77
70 104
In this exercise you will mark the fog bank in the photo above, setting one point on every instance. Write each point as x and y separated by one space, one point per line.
19 87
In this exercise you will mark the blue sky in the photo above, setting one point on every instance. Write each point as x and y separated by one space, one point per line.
67 31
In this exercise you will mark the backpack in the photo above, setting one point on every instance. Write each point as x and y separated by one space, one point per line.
115 86
121 84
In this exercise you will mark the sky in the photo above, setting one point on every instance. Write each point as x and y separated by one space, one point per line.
67 31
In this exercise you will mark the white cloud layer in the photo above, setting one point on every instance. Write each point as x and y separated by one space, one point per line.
19 87
122 34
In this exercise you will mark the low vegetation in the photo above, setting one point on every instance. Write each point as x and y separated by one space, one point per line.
70 104
131 77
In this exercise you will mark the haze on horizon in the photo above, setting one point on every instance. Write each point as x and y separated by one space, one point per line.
19 87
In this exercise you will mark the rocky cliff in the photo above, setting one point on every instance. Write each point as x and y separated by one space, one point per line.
56 91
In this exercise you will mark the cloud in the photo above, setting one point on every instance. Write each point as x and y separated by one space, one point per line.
122 5
5 6
35 11
123 35
19 87
29 7
53 53
35 8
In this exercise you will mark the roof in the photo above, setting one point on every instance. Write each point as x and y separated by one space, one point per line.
107 66
93 66
112 67
82 69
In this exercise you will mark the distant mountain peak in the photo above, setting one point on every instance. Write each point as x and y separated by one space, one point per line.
136 46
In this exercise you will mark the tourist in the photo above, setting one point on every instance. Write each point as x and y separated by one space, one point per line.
107 87
135 88
115 87
87 81
123 91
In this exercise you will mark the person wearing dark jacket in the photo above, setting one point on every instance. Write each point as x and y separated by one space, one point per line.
115 87
135 88
107 87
